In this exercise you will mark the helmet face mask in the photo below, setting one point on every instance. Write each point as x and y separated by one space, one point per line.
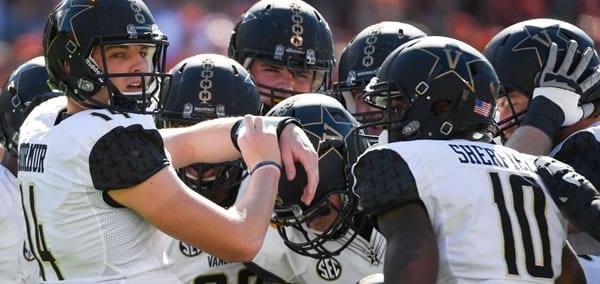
287 33
519 53
435 88
204 87
333 213
69 43
217 182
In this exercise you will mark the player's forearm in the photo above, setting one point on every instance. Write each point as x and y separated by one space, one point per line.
530 140
254 209
583 211
207 141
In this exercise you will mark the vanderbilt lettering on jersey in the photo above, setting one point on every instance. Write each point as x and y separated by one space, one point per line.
31 157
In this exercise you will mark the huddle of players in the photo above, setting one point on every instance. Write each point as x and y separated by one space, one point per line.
413 97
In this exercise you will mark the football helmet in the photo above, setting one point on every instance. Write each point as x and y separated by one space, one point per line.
25 88
76 27
519 52
362 57
435 88
289 33
208 86
328 126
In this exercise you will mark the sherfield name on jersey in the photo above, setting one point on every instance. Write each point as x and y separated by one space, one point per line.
475 154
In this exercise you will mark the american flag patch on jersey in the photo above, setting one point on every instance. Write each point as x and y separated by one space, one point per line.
482 107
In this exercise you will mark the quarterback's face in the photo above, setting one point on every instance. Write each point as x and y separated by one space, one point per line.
280 77
125 59
519 103
323 222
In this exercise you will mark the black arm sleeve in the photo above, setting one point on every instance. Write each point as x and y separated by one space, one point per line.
582 151
126 156
384 181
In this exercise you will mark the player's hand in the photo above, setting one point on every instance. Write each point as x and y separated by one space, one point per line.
296 147
561 179
555 102
257 142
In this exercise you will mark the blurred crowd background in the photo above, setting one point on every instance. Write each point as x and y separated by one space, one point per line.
200 26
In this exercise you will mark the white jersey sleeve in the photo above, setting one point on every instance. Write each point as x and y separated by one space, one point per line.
78 233
493 218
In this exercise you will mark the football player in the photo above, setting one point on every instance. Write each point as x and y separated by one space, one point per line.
328 240
360 60
550 73
99 180
25 88
438 187
287 46
204 87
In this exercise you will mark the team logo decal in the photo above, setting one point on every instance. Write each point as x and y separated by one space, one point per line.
188 250
220 111
329 269
188 109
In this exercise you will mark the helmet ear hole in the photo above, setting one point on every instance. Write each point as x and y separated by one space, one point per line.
440 107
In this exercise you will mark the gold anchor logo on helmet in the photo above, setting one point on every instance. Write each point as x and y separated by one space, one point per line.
297 40
369 48
207 73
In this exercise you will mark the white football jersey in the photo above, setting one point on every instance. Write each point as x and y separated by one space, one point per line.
79 234
17 264
363 256
360 258
195 266
493 218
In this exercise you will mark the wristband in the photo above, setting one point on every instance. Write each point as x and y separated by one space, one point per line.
279 122
545 115
264 164
235 129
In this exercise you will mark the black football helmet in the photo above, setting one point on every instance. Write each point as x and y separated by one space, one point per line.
328 126
208 86
25 88
519 53
435 88
362 57
75 27
289 33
